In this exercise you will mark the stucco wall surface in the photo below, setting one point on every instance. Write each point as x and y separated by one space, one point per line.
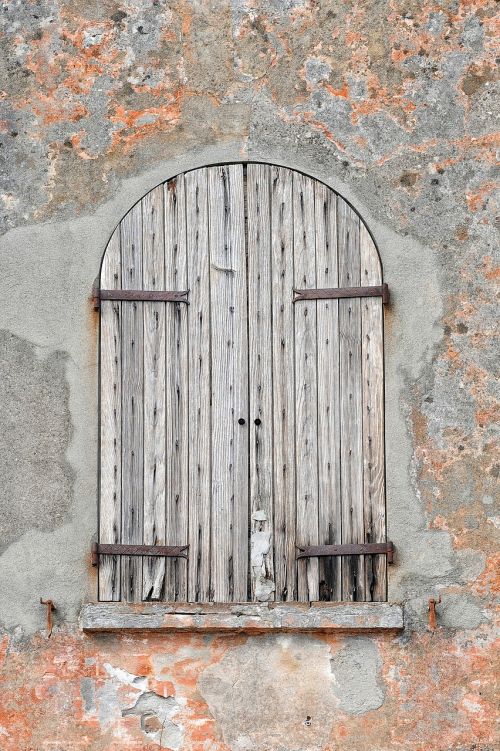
392 104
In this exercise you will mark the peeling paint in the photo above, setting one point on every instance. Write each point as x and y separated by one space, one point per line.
260 542
156 715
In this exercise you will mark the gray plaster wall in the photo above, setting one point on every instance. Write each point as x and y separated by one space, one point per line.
398 120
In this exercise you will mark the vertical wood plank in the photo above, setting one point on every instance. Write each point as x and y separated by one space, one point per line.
353 579
372 355
306 384
110 422
132 404
154 393
329 504
283 365
229 358
176 385
260 382
199 386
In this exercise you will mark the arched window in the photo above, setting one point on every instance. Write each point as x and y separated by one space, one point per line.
241 394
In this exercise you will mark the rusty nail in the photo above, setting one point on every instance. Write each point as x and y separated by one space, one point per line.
50 607
432 612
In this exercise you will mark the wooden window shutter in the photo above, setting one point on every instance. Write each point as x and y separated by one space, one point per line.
241 394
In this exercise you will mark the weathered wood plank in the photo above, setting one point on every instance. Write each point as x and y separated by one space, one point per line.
229 362
176 386
199 335
154 393
285 564
372 356
329 437
306 384
260 382
244 617
353 577
110 423
132 403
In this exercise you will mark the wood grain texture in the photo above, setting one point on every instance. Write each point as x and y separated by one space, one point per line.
199 385
285 564
260 382
353 578
242 408
306 384
229 366
110 423
153 268
176 387
244 618
372 357
329 436
132 403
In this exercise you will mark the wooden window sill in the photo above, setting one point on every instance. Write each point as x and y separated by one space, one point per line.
243 617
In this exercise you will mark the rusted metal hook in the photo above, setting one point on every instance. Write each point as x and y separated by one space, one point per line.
432 612
50 607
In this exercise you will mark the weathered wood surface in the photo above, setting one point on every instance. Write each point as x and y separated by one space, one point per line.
153 268
242 424
132 403
285 563
351 460
372 356
199 386
229 393
244 617
329 502
260 374
306 384
110 423
177 380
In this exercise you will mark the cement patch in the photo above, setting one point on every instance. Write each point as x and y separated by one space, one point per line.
356 671
35 432
279 691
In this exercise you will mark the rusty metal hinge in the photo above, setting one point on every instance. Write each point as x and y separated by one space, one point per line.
144 295
160 551
335 293
367 548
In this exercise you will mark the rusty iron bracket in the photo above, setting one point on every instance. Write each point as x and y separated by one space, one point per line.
50 608
160 551
367 548
432 612
95 294
144 295
336 293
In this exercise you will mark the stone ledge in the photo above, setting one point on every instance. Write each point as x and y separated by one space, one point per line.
243 617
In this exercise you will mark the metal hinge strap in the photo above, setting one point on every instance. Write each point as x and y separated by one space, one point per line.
139 295
161 551
336 293
368 548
